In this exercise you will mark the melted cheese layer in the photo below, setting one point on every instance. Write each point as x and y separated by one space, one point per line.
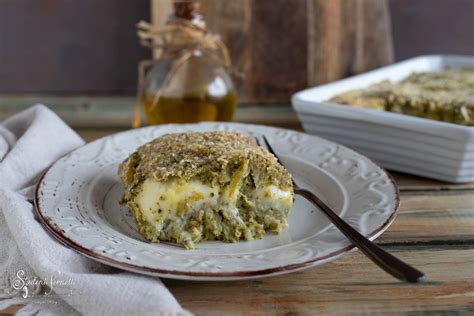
174 199
161 200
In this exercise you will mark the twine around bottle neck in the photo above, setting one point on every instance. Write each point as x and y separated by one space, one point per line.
179 36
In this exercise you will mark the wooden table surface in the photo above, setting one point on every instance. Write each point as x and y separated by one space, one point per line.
433 231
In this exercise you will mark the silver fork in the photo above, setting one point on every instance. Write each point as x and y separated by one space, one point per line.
383 259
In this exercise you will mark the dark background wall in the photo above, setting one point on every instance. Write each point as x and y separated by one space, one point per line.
70 46
432 27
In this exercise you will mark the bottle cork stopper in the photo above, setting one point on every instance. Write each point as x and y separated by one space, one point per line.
186 9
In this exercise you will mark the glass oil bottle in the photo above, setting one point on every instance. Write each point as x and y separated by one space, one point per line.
190 80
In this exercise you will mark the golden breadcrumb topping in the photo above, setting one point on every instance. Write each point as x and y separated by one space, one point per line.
202 154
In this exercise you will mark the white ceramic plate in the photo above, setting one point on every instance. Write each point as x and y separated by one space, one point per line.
77 203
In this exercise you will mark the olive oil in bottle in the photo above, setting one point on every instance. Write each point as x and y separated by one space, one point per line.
189 108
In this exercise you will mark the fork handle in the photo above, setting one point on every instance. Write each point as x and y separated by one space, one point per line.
383 259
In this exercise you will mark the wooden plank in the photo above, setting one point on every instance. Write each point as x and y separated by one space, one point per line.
76 110
231 20
351 284
442 217
278 50
160 11
408 182
346 37
82 111
10 310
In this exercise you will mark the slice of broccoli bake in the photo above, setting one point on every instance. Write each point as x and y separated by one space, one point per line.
189 187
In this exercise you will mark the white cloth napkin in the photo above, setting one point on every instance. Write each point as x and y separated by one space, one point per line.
29 142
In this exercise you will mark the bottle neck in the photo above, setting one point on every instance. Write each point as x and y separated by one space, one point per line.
196 21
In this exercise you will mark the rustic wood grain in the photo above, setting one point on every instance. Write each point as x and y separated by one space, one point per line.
159 12
408 182
437 217
232 21
278 49
10 310
346 37
350 285
83 111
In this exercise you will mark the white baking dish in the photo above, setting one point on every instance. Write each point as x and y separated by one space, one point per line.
399 142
